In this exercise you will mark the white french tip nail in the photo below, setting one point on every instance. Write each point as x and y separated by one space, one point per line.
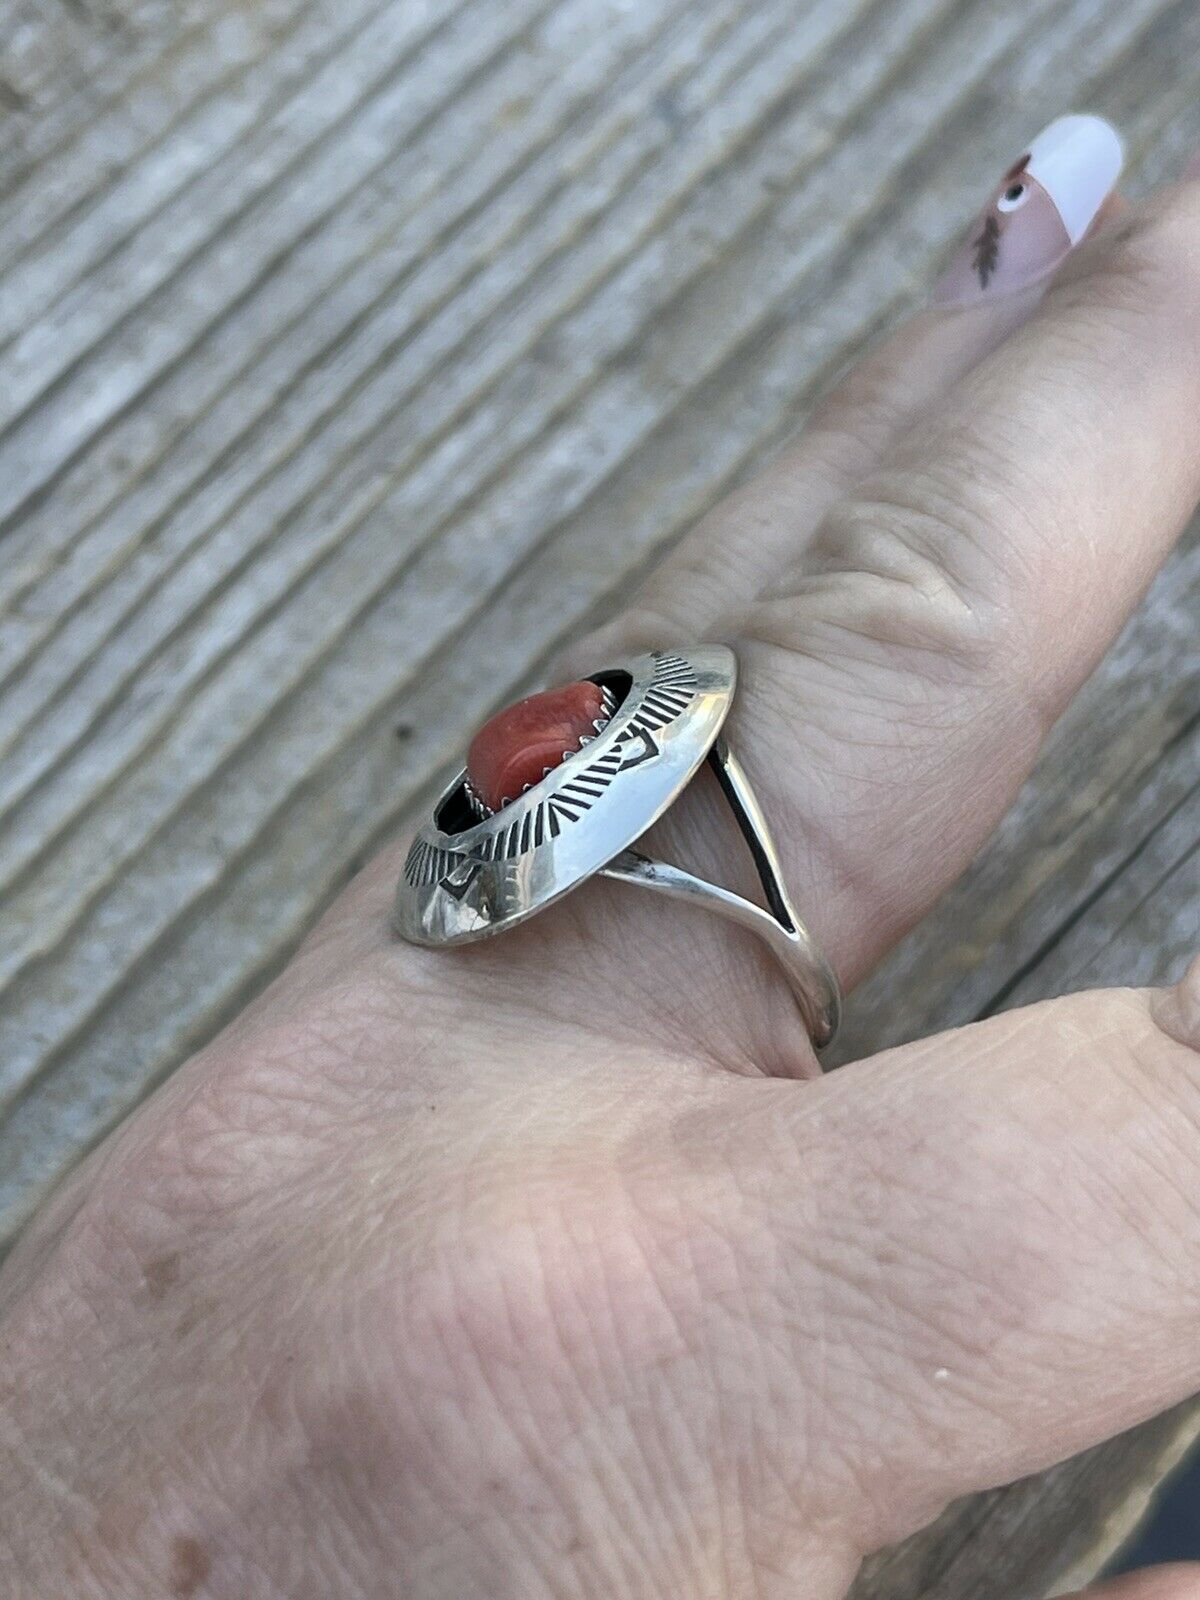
1077 160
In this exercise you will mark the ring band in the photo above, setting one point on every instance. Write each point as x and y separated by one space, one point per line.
473 871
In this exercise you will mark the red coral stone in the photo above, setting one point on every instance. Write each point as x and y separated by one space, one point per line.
514 749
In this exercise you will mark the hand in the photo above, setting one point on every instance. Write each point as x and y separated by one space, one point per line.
531 1270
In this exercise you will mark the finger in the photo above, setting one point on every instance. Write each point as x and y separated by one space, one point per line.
1175 1581
1070 171
895 689
982 1251
899 682
723 562
887 712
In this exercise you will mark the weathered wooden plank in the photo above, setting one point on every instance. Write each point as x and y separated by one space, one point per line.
93 612
194 106
361 315
63 64
358 352
232 223
106 845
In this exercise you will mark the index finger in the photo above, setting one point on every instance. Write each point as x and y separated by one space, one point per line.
901 677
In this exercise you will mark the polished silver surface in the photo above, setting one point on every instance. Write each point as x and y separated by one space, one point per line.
466 878
809 975
475 882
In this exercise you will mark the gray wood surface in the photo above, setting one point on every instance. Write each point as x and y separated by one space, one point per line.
352 353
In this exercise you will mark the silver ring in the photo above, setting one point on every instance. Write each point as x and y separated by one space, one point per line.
473 871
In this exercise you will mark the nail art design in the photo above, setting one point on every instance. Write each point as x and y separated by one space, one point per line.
1039 211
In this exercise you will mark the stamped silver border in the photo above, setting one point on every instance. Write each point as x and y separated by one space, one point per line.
583 819
457 887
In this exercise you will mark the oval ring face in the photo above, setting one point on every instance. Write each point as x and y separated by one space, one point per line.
466 883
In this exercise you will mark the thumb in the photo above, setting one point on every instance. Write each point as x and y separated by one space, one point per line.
1007 1216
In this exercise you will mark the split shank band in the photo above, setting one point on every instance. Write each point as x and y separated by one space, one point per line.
468 877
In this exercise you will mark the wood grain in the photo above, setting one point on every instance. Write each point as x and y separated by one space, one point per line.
352 354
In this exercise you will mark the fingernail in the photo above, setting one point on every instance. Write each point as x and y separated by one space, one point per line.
1038 212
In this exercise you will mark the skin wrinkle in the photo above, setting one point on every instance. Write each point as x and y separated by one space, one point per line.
895 528
920 361
796 1357
871 1286
708 1258
1170 1231
451 1360
878 1375
613 1321
642 1556
518 1343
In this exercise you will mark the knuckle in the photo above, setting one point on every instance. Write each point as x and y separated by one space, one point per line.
900 565
926 574
187 1169
150 1209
